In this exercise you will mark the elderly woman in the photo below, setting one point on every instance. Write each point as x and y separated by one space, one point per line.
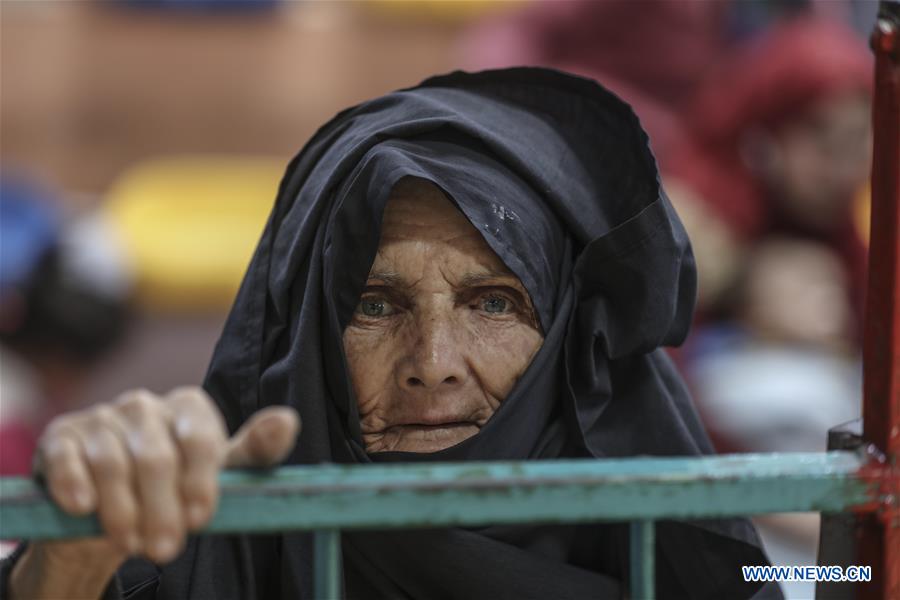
482 267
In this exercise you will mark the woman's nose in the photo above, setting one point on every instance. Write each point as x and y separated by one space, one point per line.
436 358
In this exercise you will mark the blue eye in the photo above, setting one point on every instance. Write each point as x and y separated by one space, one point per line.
375 307
495 305
371 309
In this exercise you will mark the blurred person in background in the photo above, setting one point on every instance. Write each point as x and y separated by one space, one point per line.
779 144
769 182
654 53
660 48
63 308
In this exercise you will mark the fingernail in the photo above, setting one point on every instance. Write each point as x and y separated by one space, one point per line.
133 543
196 515
269 428
81 499
164 548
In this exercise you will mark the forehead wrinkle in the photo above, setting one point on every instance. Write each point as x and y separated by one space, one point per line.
415 209
383 269
469 244
398 231
426 223
474 275
480 274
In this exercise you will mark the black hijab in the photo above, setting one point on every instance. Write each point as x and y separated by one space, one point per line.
557 175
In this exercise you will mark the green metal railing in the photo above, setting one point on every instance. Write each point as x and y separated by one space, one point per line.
329 498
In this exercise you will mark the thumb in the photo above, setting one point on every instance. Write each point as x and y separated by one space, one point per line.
265 439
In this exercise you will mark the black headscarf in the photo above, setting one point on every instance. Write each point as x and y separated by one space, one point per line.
556 174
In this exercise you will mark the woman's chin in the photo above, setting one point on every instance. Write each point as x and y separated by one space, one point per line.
423 438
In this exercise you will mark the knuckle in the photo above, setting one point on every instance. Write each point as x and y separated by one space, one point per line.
133 393
58 462
55 452
139 404
191 399
118 509
200 490
118 522
63 477
163 523
58 426
189 396
190 392
202 444
157 461
103 416
108 464
63 429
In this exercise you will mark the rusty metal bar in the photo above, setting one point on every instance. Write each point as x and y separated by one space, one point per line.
451 494
880 534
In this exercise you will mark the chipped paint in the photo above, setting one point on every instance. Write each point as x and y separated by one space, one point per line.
433 495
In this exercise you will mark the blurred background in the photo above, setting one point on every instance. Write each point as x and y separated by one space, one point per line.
142 142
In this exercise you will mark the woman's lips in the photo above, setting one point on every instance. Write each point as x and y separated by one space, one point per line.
423 437
433 426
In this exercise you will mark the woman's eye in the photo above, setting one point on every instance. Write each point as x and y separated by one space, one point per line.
494 304
375 307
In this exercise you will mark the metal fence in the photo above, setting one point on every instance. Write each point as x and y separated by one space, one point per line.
329 498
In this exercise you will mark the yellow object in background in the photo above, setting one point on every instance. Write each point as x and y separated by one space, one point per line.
190 225
444 10
862 212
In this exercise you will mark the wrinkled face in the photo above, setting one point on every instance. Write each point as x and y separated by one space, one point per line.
796 291
443 329
822 160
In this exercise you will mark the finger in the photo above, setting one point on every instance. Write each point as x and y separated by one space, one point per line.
200 435
265 439
60 460
156 468
110 467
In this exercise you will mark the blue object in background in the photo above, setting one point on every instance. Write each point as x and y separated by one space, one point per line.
29 228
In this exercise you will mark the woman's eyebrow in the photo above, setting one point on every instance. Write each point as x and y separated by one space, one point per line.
388 278
392 279
474 279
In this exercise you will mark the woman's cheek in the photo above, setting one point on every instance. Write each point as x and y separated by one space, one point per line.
368 351
501 352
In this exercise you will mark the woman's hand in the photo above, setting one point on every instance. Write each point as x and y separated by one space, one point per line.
148 466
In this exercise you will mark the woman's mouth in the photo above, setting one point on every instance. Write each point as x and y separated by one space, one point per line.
436 426
421 437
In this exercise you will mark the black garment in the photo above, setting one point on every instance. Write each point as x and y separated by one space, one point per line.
557 175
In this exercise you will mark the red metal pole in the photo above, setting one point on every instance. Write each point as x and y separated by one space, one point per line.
879 542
